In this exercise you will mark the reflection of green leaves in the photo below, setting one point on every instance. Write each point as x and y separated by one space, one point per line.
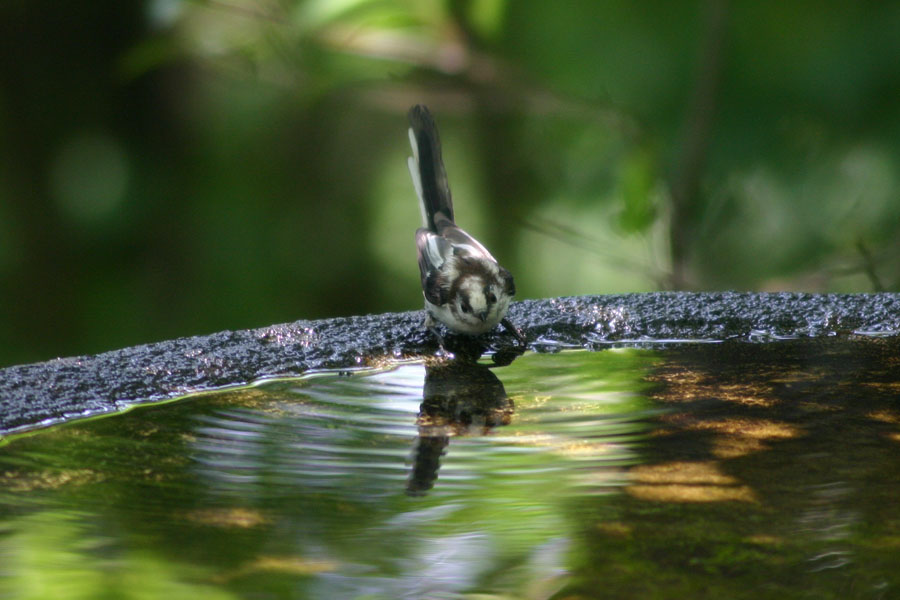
567 423
288 481
53 555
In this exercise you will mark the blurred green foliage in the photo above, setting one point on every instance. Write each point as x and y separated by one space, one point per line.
171 168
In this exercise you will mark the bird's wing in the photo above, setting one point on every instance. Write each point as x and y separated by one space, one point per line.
464 244
433 251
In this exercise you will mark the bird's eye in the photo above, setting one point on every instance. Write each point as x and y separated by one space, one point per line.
491 298
466 308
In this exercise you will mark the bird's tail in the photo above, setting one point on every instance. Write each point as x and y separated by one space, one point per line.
427 169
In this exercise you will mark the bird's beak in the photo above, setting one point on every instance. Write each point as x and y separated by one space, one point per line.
483 316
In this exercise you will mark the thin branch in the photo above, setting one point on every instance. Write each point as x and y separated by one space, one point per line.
577 239
245 11
685 182
868 265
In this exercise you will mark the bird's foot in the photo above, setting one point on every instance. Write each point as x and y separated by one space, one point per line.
507 324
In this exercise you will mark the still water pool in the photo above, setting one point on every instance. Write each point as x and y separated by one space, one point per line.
728 470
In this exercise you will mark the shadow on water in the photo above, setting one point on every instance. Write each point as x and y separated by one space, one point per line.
773 473
700 471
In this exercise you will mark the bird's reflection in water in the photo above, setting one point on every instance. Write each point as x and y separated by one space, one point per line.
459 398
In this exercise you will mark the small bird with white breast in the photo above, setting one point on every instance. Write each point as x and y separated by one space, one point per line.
464 286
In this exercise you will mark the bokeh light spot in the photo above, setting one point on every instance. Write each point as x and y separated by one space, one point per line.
89 178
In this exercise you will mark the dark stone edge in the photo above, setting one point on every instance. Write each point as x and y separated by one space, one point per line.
41 394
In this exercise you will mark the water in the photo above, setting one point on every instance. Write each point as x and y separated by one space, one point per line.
690 471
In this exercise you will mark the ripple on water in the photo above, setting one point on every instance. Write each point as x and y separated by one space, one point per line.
698 470
419 428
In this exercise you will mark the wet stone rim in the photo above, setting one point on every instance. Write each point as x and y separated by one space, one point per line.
44 393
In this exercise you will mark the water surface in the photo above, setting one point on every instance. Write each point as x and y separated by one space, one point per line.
704 471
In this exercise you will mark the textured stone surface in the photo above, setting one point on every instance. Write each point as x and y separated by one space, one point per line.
49 392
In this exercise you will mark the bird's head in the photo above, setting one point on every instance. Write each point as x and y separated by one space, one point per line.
481 300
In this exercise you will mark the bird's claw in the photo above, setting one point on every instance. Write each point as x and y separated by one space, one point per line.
507 324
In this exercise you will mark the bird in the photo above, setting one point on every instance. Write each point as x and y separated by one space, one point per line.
464 286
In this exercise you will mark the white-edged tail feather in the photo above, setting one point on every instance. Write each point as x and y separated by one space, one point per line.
414 144
427 170
413 163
